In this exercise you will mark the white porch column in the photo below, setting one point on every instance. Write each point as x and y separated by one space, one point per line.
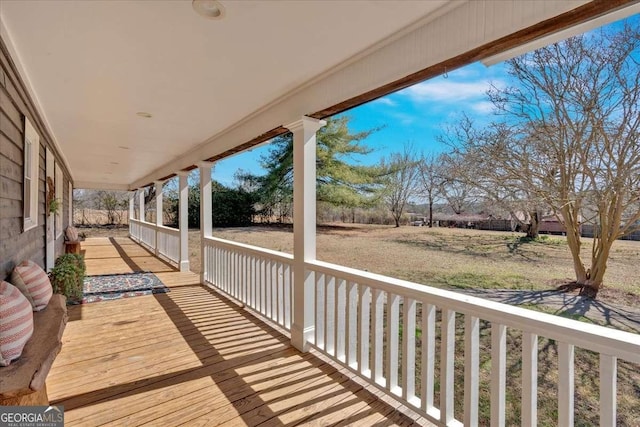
304 228
158 185
159 201
205 215
183 215
132 209
141 203
132 204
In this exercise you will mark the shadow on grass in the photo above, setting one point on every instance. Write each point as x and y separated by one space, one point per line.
561 303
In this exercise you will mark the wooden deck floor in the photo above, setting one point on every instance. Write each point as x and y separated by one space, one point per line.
191 357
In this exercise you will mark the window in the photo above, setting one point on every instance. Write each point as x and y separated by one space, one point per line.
59 197
31 166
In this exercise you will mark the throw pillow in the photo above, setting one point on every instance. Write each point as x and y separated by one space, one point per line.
34 283
16 323
72 234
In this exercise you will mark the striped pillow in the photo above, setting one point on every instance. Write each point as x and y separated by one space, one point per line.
72 234
16 323
34 283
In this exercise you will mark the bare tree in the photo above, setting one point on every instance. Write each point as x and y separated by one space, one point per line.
401 181
458 190
432 180
114 203
570 138
476 162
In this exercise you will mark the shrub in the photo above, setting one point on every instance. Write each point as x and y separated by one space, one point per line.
67 277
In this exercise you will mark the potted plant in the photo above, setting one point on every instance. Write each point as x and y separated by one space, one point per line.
67 277
54 206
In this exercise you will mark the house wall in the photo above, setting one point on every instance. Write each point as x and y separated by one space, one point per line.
17 245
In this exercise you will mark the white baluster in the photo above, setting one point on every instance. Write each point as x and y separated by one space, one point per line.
352 324
471 369
447 357
498 373
529 379
364 308
340 316
320 296
608 390
408 349
391 362
427 373
565 384
377 335
329 312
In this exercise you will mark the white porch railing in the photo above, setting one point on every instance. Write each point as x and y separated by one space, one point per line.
164 240
262 279
168 241
359 322
360 318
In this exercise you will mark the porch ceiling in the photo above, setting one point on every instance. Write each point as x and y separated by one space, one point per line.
92 65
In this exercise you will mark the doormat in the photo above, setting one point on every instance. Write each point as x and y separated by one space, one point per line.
116 286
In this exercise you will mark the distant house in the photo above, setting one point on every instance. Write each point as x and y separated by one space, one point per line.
459 220
550 224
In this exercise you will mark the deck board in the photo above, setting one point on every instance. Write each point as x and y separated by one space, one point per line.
191 357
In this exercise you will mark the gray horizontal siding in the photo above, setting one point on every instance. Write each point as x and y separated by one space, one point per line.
17 245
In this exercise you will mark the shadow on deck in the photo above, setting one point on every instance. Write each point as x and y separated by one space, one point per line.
192 357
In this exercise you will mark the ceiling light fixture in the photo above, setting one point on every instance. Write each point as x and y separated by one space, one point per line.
144 114
211 9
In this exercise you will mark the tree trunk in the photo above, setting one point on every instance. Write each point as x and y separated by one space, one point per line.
574 242
533 232
430 213
397 220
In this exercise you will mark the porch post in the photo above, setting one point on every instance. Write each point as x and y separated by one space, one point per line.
132 209
141 203
158 185
205 215
304 228
183 215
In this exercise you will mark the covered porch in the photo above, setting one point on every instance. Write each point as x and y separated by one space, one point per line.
259 336
192 356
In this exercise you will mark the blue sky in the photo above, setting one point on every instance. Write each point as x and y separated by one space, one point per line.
415 115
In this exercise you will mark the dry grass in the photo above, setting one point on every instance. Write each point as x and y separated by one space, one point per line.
452 258
444 257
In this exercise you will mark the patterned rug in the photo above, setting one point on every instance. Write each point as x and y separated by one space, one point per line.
116 286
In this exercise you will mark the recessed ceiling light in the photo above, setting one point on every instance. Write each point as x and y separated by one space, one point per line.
144 114
211 9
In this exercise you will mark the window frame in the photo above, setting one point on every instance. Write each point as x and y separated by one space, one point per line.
70 204
59 183
30 178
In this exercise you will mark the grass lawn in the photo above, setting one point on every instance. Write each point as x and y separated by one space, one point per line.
452 258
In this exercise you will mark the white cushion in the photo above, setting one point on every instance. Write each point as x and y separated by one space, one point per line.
16 323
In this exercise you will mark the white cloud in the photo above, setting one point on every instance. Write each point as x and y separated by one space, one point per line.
482 107
385 101
448 91
403 118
